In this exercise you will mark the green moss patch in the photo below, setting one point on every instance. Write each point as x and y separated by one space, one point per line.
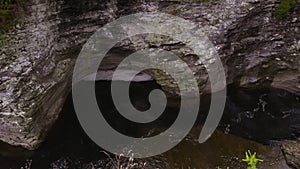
7 19
285 8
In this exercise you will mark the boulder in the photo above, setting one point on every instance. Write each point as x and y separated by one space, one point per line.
291 151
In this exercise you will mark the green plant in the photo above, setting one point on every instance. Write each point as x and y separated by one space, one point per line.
251 160
285 8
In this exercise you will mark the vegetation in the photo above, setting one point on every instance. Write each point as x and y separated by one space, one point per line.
285 8
7 2
251 160
6 14
7 20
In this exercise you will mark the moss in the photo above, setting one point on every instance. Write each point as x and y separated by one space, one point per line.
3 36
285 8
201 81
6 4
7 19
6 23
6 13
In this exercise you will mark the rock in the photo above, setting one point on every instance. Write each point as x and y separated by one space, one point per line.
291 151
36 68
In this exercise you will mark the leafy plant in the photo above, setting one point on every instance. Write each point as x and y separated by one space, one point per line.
285 8
251 160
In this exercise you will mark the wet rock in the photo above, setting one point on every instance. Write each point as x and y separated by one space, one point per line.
68 163
291 151
257 51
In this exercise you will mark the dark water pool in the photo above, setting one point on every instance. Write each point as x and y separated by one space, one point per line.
255 120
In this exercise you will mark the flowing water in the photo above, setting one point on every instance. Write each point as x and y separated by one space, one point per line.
255 120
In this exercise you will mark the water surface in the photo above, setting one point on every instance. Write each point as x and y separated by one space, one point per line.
255 120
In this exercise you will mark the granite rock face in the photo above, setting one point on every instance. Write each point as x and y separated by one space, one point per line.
257 50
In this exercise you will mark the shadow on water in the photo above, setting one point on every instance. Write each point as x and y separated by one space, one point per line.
265 115
253 119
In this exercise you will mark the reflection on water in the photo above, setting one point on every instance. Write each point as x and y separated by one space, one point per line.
266 116
259 115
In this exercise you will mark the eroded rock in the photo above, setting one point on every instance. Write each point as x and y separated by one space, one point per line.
291 151
257 51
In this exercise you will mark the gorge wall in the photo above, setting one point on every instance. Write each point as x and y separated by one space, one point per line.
257 49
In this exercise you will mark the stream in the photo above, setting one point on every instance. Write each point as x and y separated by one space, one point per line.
256 120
